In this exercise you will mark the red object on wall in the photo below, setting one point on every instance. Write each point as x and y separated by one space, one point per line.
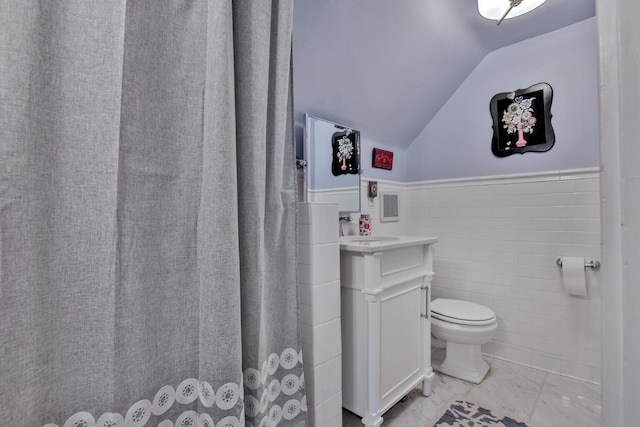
382 159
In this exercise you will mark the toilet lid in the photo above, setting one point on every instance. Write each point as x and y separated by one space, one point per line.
462 312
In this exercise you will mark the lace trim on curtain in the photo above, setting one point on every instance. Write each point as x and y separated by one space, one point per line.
225 398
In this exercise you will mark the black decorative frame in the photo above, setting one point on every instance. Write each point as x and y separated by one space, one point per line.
345 152
522 121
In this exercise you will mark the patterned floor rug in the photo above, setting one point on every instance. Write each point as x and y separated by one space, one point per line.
460 412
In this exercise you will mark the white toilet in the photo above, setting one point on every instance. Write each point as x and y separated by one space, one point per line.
459 328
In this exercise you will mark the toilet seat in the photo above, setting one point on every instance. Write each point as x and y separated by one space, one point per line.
462 312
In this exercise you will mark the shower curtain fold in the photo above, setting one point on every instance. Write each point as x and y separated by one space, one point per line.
147 215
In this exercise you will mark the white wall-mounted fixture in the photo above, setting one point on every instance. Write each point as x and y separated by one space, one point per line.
498 10
389 210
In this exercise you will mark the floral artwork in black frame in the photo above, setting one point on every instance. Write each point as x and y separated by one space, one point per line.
522 121
345 152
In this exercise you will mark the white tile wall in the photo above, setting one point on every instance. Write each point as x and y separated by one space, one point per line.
499 239
321 303
319 289
321 342
328 413
325 381
317 223
372 207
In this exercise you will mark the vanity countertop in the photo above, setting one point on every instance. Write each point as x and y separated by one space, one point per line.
370 244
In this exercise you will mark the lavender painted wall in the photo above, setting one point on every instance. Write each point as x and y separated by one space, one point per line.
322 130
457 142
397 173
386 67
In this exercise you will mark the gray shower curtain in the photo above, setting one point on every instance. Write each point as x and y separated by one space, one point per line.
147 215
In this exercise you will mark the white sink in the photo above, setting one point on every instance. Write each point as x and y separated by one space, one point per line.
367 239
370 244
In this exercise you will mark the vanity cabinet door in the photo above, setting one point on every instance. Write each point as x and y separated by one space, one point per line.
385 327
400 340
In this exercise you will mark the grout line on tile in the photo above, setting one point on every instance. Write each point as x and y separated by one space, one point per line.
535 405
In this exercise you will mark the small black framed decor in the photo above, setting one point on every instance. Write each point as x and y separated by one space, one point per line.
522 121
345 152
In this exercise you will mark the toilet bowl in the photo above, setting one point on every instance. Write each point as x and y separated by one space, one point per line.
461 327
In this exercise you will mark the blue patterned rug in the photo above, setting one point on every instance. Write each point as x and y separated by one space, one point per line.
460 412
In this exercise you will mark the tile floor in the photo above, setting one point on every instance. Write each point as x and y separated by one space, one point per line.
547 399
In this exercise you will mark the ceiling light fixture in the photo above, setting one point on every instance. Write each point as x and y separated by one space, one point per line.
499 10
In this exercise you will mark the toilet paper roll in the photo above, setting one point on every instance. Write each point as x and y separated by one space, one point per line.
573 277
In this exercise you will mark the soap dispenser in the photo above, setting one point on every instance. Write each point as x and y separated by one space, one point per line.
365 225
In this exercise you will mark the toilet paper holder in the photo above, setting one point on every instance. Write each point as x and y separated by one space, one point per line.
595 264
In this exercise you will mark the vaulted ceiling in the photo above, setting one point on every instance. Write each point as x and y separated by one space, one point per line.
386 67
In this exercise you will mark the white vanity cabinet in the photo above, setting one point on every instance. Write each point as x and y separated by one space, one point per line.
386 329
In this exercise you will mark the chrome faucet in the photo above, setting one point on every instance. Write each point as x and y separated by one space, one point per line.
345 218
